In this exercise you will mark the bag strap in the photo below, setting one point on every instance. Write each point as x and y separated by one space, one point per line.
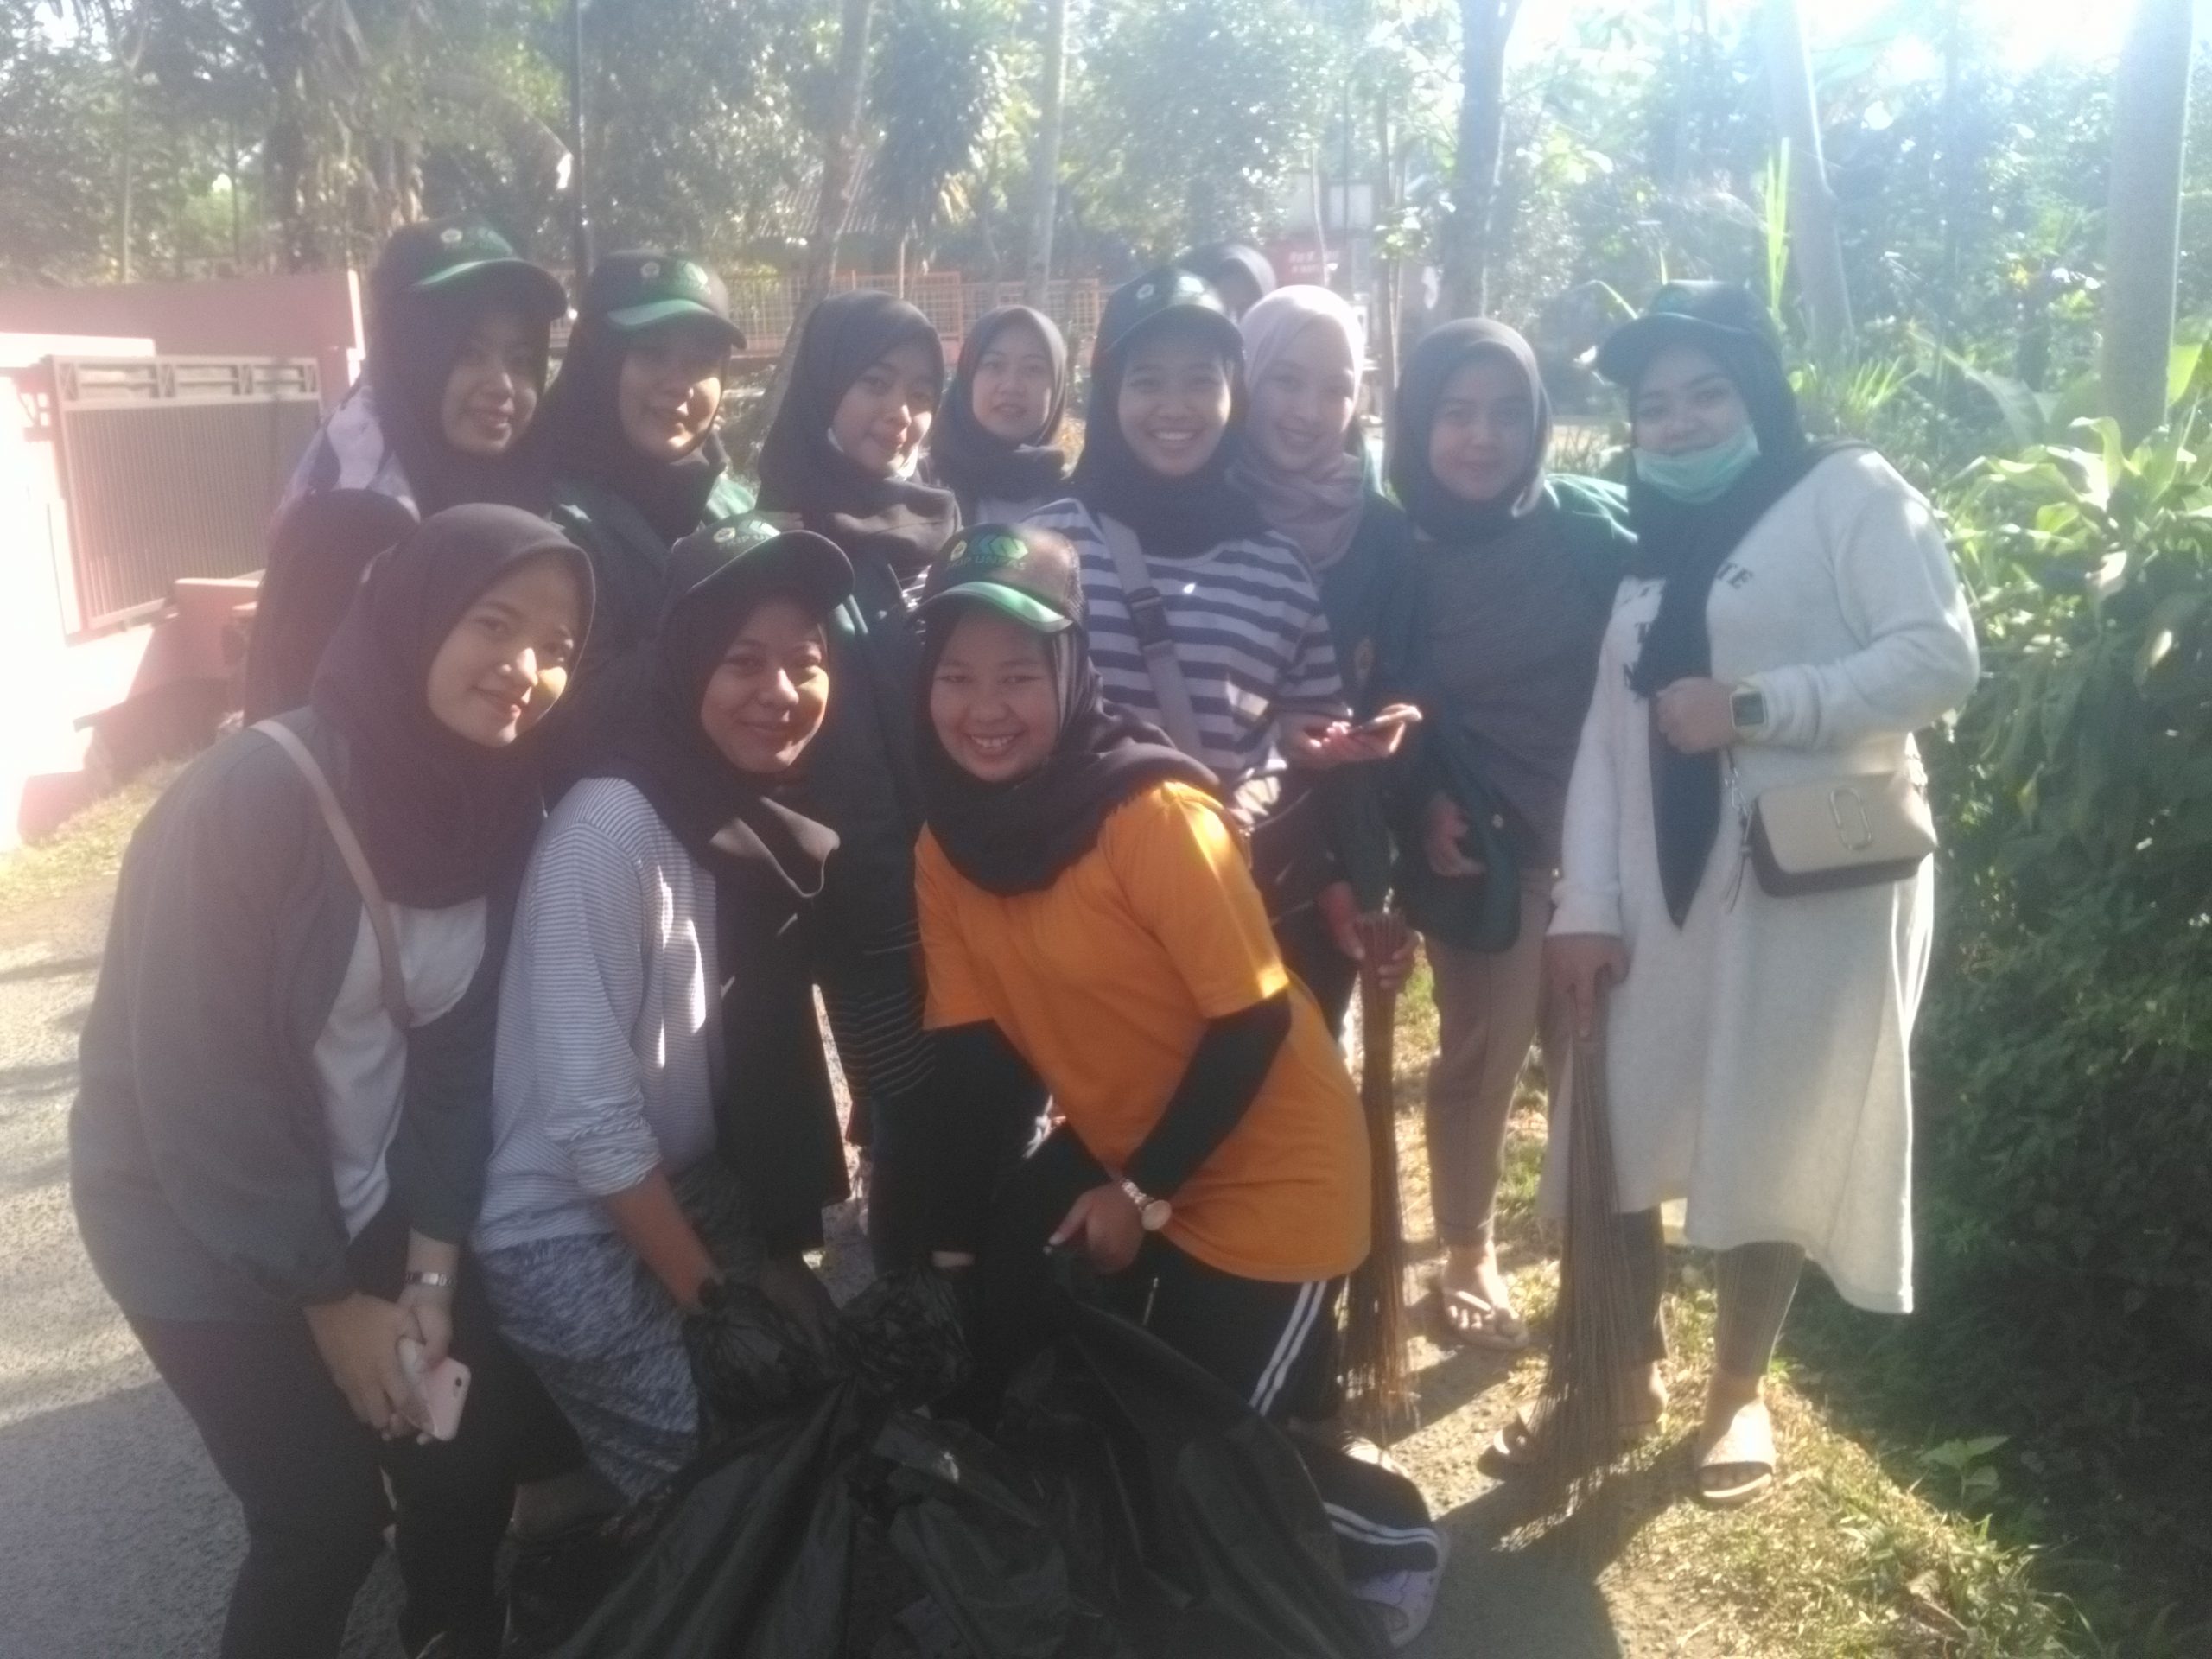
1149 618
394 985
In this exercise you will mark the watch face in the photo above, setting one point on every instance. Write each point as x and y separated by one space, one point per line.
1153 1215
1748 710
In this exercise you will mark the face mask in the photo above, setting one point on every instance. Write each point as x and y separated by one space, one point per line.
1699 475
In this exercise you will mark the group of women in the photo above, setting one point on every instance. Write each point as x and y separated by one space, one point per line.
437 1021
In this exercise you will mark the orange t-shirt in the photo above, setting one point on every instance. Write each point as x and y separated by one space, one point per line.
1104 982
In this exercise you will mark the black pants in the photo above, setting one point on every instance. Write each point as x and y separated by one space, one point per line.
311 1477
1273 1343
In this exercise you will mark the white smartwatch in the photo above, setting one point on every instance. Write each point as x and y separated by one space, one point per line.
1747 711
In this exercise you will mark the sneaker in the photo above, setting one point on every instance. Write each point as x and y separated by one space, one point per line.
1404 1601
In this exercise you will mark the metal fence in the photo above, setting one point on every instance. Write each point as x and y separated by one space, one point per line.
172 466
764 305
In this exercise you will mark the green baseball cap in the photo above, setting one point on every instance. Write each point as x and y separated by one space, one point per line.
440 255
1029 573
635 291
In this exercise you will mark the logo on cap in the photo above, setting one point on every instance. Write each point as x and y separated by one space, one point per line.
649 270
997 551
450 236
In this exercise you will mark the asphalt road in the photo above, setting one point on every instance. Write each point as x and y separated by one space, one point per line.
116 1539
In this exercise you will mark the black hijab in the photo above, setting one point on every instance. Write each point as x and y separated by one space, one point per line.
640 724
974 462
415 339
1170 517
1684 547
1442 515
322 546
1018 837
583 435
441 819
803 472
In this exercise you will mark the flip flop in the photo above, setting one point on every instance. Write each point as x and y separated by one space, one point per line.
1517 1446
1466 1320
1738 1465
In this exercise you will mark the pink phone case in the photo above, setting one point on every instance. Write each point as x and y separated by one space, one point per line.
443 1389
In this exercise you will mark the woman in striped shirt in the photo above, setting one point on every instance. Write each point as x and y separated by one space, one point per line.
1202 619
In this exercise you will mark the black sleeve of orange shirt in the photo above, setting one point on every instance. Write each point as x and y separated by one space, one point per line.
1218 1088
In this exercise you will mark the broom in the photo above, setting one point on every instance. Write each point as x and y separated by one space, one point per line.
1583 1413
1374 1320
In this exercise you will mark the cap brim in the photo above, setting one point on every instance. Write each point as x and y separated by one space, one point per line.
1628 350
813 564
631 319
1219 321
536 283
1030 612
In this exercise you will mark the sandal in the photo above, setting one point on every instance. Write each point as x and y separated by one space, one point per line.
1738 1465
1517 1447
1462 1319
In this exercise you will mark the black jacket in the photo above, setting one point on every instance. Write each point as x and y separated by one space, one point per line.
199 1166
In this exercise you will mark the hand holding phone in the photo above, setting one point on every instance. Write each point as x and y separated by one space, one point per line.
440 1391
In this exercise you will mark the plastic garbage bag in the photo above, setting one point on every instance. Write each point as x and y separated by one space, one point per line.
1129 1508
1199 1525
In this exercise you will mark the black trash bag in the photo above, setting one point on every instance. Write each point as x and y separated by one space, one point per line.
964 1516
751 1554
1195 1518
749 1360
749 1551
905 1337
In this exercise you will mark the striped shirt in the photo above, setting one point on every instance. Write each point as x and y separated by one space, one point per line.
607 1013
1249 634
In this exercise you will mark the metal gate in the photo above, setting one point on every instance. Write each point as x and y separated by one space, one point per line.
172 466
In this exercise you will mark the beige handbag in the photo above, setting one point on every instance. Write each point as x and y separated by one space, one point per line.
1835 833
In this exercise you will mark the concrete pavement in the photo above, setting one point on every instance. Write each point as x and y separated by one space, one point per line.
116 1539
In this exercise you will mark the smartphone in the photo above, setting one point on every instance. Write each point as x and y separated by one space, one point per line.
1383 723
441 1390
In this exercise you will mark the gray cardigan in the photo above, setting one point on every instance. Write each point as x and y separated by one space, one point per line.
200 1165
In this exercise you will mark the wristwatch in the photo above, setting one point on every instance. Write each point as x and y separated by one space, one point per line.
1153 1212
425 1279
1747 711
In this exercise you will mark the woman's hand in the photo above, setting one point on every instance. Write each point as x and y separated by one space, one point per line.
430 1307
1105 1220
1319 741
429 1316
1697 717
1444 839
1579 966
1305 740
1381 937
359 1340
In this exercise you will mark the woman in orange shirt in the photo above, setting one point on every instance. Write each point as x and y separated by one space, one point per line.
1088 917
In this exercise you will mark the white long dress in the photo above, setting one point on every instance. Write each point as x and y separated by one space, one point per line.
1758 1053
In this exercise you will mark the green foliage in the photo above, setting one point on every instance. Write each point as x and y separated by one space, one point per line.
938 90
2066 1046
1188 115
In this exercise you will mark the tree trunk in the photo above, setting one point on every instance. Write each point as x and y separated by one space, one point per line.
1815 248
2150 118
1044 178
285 46
1484 28
833 210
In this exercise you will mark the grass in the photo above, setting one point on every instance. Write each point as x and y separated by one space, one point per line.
1875 1541
86 849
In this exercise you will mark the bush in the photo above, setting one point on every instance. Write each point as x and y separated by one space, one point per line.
2066 1054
